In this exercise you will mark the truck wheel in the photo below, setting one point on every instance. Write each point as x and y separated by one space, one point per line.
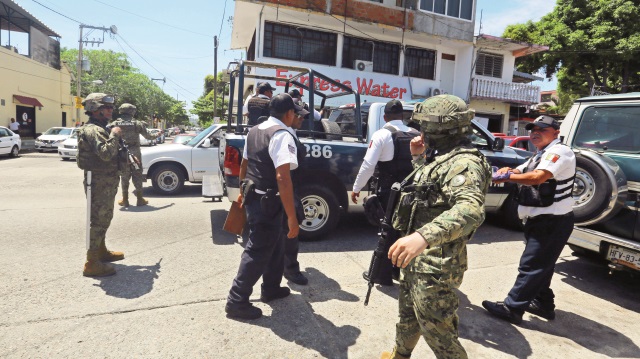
591 190
168 179
321 210
332 130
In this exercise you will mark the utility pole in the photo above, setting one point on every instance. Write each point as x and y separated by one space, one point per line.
215 76
114 30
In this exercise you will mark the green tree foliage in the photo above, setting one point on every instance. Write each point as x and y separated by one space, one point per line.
127 83
591 43
203 106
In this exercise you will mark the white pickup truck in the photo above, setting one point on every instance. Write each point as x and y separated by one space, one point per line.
169 166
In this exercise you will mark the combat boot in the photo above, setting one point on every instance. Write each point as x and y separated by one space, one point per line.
394 355
141 200
107 255
125 199
95 268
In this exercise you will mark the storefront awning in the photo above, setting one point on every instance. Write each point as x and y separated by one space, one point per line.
28 101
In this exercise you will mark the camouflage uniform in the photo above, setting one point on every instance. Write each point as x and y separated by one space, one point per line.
446 209
98 152
131 129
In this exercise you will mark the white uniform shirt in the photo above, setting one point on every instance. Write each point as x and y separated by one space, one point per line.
561 162
282 147
380 149
14 126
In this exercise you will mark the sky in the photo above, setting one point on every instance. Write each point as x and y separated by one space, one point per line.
174 39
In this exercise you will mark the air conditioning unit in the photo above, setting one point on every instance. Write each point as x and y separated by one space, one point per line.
362 65
436 92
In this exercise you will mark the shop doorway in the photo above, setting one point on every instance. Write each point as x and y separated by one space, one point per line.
26 116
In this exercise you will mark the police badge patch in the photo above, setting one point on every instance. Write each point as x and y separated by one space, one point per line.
292 149
458 180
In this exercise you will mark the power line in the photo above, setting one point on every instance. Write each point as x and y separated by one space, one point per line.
224 10
150 19
63 15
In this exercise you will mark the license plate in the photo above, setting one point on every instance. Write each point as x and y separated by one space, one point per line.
47 145
624 256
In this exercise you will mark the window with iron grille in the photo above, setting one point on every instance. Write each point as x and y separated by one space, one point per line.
299 44
420 63
462 9
386 56
489 65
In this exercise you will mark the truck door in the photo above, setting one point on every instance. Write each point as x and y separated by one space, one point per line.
205 159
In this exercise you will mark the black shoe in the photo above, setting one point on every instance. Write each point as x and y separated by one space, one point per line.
385 282
274 294
535 307
242 311
502 311
297 278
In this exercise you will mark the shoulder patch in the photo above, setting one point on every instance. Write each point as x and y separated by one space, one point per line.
458 180
552 157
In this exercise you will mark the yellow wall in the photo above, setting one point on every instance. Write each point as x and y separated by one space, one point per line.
494 108
19 75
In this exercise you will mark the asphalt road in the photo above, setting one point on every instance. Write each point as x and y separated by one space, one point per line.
167 298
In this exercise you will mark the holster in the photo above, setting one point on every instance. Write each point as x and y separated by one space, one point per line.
247 189
270 203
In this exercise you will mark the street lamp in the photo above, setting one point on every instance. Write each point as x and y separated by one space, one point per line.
164 80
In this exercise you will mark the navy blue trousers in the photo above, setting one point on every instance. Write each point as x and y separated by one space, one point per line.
263 255
545 237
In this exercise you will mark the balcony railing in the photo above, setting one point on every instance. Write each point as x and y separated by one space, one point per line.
505 91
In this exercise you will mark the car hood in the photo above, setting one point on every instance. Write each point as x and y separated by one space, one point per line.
52 137
70 142
170 150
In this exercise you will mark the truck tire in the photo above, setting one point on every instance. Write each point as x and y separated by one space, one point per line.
321 210
168 179
332 130
591 190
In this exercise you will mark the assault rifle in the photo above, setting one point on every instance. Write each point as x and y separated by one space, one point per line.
133 161
387 234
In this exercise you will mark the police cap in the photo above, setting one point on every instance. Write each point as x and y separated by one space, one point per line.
280 104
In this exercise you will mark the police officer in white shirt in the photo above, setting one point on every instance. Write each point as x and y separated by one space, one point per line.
269 156
389 150
545 183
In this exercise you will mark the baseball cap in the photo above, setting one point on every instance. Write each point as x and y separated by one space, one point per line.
300 111
543 122
265 86
393 106
280 104
295 93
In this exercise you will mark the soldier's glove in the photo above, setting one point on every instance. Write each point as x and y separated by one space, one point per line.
499 176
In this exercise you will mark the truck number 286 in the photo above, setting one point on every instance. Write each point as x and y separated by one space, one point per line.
318 151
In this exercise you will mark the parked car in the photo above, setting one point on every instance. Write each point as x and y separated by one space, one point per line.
10 142
68 149
182 138
54 136
145 142
160 133
604 132
521 142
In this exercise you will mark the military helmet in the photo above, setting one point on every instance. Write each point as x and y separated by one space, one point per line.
127 108
443 114
95 100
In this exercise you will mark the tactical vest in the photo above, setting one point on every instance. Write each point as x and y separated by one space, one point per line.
400 166
129 130
260 168
257 107
87 159
546 193
301 153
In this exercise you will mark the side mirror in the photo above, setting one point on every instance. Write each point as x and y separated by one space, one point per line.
498 144
206 143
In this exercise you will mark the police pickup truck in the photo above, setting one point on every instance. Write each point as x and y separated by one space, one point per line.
604 132
336 147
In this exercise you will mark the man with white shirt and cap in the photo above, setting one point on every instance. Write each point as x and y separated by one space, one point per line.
545 183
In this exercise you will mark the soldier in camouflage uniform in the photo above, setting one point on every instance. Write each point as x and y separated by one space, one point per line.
131 129
437 218
98 151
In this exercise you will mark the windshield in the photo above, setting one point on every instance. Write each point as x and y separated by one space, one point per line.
58 131
75 135
200 136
